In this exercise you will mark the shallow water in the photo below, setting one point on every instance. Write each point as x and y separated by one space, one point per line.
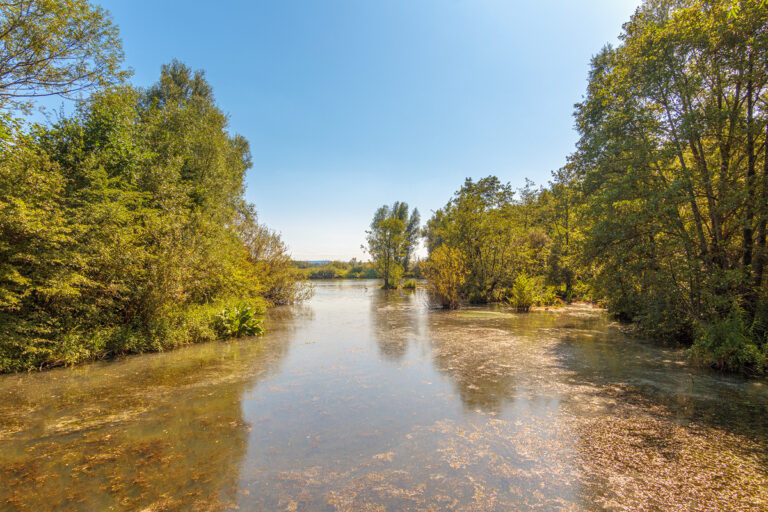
367 400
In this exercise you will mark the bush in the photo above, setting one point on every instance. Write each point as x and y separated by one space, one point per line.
409 285
446 272
728 344
548 297
581 291
237 322
523 293
325 272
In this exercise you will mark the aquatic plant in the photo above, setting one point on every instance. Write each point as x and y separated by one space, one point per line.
237 322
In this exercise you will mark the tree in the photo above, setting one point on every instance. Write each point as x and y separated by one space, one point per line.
123 228
412 230
55 48
388 244
283 283
668 163
446 273
483 222
560 207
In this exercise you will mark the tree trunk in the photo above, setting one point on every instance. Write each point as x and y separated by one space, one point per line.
751 157
761 225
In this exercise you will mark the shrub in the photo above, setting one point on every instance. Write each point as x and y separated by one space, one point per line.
446 271
237 322
548 297
326 272
409 285
581 291
728 344
523 293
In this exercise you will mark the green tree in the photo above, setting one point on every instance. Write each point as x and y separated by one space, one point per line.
124 228
55 47
446 272
412 232
669 165
498 236
388 244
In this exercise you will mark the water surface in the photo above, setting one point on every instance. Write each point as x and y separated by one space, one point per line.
369 400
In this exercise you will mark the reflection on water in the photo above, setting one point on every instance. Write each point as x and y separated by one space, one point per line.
369 400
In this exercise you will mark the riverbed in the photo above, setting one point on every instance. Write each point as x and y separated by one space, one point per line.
367 400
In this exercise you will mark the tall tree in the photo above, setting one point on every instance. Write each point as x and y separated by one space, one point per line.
668 159
481 221
412 228
388 242
55 47
123 228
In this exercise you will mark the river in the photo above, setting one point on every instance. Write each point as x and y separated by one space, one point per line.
365 400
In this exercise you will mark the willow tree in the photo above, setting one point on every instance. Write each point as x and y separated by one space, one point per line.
391 240
412 230
674 167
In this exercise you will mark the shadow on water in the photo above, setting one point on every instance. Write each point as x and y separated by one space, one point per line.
683 437
636 370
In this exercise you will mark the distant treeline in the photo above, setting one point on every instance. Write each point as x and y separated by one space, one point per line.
661 213
352 269
123 227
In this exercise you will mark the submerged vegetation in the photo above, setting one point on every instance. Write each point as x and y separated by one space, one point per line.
123 226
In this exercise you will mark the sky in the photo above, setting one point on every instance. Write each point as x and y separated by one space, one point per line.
352 104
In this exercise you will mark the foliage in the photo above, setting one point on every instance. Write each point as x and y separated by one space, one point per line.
123 228
237 322
409 284
411 223
55 47
523 293
352 269
361 270
501 237
673 135
282 282
446 273
547 297
390 241
327 272
728 344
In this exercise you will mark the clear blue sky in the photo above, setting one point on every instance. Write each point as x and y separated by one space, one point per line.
350 104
